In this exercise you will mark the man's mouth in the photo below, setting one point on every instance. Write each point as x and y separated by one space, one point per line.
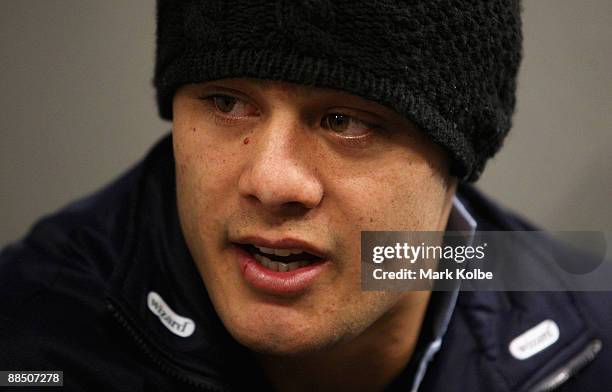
285 267
281 260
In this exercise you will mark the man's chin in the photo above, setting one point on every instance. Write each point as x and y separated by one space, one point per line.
283 343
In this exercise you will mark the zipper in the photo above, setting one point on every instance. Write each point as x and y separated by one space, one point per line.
573 366
161 362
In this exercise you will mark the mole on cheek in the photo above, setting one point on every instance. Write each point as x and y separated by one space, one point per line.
246 140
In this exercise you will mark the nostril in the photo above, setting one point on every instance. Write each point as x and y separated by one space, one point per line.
293 191
294 205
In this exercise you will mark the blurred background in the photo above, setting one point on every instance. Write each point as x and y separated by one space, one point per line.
78 108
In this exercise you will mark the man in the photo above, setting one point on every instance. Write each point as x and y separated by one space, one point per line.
229 259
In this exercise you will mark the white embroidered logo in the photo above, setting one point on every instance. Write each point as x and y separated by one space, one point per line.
534 340
178 325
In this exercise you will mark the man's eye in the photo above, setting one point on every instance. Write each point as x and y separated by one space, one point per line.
224 103
345 125
232 106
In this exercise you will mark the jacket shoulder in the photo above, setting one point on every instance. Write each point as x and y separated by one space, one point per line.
476 353
54 285
52 282
84 236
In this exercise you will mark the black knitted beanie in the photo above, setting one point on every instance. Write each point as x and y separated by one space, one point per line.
449 66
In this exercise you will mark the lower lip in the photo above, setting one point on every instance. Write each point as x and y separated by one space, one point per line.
290 283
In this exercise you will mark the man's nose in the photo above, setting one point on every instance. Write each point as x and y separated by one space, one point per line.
279 170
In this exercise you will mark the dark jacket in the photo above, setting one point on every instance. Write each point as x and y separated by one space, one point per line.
73 297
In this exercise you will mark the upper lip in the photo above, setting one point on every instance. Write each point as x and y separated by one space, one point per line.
282 243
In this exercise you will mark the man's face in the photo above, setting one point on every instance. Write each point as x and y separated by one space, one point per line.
265 169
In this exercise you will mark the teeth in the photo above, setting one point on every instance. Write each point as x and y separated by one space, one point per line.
279 252
280 267
282 252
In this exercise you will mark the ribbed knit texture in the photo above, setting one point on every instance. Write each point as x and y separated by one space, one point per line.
449 66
